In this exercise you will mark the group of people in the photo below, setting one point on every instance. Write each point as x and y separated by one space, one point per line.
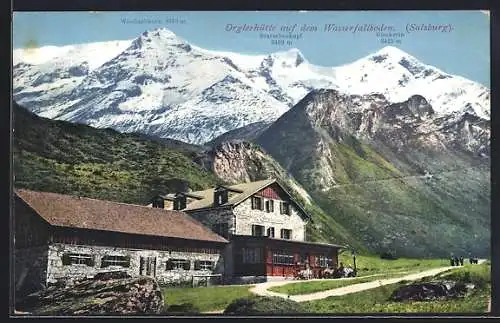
456 261
346 271
330 272
339 272
459 261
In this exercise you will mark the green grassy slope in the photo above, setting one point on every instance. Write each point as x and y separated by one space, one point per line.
410 214
61 157
58 156
377 300
378 194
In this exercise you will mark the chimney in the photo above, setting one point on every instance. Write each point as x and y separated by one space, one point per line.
158 202
221 195
180 201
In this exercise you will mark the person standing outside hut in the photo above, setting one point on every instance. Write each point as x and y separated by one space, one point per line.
461 260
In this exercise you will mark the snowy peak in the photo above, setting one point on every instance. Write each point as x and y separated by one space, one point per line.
390 52
95 54
160 84
290 58
391 57
158 39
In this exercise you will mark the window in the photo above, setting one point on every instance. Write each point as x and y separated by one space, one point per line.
256 203
221 229
77 259
257 230
122 261
269 206
252 255
282 258
324 261
285 208
180 202
203 265
221 196
286 234
270 232
147 266
173 264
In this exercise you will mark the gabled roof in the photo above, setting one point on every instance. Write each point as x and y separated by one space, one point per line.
246 189
86 213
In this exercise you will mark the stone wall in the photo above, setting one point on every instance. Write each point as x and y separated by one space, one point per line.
30 267
246 217
211 216
57 271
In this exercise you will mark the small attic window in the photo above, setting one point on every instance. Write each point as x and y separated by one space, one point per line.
180 202
221 196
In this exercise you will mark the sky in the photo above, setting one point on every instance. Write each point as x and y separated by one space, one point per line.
461 46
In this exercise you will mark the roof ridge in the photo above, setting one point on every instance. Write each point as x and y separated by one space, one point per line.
100 200
30 197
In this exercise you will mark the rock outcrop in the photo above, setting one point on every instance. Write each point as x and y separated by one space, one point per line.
429 291
107 293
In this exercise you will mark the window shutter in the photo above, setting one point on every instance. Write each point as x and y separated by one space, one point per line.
261 204
281 233
253 202
253 229
281 207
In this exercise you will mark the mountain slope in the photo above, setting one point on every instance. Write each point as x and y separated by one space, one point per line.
247 133
61 157
397 176
237 162
58 156
161 85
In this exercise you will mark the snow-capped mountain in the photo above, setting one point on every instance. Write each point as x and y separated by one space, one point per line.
161 85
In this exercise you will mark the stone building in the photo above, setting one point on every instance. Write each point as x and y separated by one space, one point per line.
266 228
59 237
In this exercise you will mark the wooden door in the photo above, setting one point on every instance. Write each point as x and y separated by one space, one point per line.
147 266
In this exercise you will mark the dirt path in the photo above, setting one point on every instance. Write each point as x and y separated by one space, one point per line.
262 289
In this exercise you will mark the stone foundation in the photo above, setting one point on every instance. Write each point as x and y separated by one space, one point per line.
57 271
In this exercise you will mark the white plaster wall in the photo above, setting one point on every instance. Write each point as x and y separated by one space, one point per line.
245 217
